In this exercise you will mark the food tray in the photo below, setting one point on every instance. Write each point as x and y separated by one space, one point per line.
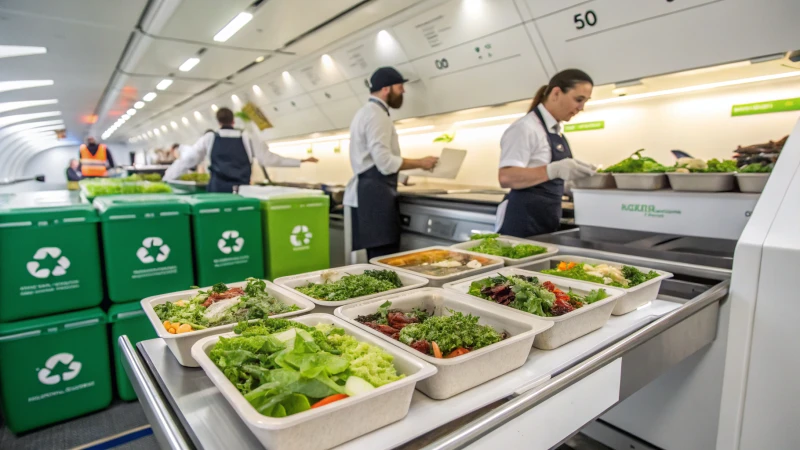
565 328
181 344
456 375
551 249
438 281
187 186
701 182
333 424
633 298
752 182
596 181
410 281
640 181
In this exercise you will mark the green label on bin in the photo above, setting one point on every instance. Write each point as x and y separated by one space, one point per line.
585 126
748 109
298 237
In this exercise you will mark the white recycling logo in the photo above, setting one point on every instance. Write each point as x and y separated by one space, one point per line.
300 236
238 242
35 269
45 375
144 251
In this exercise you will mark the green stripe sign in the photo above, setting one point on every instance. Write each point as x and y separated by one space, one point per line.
748 109
585 126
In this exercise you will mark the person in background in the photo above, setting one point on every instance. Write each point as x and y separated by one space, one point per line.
375 159
175 150
535 158
95 159
74 170
230 153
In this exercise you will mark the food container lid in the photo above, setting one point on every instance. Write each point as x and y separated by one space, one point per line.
215 203
51 324
140 206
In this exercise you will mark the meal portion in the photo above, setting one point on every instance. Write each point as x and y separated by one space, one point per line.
437 336
221 305
98 188
283 367
437 262
759 167
695 165
623 277
351 286
201 178
636 163
490 245
527 294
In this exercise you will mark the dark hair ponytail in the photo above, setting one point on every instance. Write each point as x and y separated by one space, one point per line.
565 80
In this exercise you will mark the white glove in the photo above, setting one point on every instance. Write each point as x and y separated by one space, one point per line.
569 169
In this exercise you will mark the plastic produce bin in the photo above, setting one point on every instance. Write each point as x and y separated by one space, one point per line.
228 244
51 258
146 245
54 368
295 226
130 320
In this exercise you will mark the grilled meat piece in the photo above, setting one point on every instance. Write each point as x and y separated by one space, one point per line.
398 320
421 346
385 329
214 297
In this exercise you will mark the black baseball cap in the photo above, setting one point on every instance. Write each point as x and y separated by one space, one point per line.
384 77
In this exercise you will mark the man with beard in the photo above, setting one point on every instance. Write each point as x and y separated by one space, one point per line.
375 159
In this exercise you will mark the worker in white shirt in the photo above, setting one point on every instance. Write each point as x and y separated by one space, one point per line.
535 158
376 161
230 153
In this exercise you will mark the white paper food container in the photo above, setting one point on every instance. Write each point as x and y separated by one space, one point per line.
640 181
701 182
181 344
464 372
596 181
566 328
437 281
333 424
512 241
409 280
752 182
632 298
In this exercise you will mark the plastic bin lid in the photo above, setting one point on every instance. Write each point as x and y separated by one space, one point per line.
122 311
276 192
52 207
213 202
138 206
34 327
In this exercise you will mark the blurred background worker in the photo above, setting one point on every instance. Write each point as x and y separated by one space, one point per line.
95 159
230 154
74 174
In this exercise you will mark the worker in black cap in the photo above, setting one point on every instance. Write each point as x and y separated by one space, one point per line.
375 158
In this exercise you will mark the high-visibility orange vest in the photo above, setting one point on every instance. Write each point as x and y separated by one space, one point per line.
94 165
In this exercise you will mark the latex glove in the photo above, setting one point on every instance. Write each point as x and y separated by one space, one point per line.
569 169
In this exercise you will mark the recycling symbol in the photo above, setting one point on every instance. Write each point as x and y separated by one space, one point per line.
150 246
62 263
230 242
300 236
59 367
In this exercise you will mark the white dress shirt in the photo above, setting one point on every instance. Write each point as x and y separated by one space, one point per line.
373 142
525 143
192 155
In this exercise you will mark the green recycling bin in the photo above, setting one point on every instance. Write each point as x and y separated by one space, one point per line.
54 368
146 245
226 232
295 226
127 319
51 257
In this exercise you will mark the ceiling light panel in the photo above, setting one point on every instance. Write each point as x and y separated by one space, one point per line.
233 26
189 64
139 105
8 120
150 96
8 51
11 106
163 84
6 86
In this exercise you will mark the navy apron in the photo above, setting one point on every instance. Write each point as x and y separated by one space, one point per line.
537 209
376 221
230 164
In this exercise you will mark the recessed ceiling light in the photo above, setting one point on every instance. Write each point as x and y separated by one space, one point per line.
163 84
150 96
189 64
23 84
131 112
173 125
10 106
158 133
233 26
327 60
197 115
235 98
185 121
150 133
138 105
257 89
164 128
286 76
260 59
125 117
7 51
214 107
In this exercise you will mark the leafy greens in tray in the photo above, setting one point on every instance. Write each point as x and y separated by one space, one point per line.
284 367
490 245
625 277
636 163
351 286
527 294
221 305
756 168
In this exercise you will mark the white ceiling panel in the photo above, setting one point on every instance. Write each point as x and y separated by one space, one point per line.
117 15
200 20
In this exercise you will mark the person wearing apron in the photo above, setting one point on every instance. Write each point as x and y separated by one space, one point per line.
229 153
375 159
536 159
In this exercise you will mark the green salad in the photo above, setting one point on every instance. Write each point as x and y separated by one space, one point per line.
351 286
757 168
196 177
283 367
221 305
98 188
625 277
490 245
636 163
694 165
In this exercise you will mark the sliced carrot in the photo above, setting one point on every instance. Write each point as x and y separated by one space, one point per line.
571 265
457 352
562 266
436 352
329 400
